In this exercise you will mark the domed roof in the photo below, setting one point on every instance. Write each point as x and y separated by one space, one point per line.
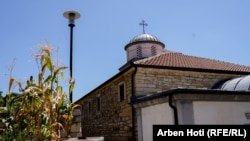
235 84
144 38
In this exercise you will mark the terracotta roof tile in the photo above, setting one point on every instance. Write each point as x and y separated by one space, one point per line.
179 60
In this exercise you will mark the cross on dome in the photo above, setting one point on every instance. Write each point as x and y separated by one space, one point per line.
143 24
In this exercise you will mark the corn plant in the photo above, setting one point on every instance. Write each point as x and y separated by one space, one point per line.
42 109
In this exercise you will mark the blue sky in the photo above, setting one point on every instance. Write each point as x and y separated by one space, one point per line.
216 29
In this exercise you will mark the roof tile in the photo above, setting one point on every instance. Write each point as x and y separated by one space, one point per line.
179 60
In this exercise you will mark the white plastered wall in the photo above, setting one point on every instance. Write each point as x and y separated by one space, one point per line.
221 112
152 115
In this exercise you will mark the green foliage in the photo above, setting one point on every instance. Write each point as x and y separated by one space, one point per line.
42 109
1 99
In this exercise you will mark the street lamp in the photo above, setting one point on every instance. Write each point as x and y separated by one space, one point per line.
71 16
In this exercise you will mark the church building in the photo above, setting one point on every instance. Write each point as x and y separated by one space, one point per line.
160 86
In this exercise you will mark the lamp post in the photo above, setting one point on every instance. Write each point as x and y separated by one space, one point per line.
71 16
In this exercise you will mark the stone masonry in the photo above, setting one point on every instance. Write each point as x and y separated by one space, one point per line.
113 119
103 114
151 80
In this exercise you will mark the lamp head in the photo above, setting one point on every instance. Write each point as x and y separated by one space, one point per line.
71 16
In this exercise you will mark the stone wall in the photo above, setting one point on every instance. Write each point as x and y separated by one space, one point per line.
112 119
153 80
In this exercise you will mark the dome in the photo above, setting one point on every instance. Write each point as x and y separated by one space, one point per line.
235 84
144 38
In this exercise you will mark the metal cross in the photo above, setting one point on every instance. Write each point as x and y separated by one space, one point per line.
143 23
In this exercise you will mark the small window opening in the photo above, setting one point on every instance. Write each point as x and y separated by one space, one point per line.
121 92
139 52
90 108
98 103
153 50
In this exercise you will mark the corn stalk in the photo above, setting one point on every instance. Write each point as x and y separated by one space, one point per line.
42 108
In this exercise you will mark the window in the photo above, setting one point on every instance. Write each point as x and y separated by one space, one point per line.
98 104
153 50
121 92
90 108
82 109
139 52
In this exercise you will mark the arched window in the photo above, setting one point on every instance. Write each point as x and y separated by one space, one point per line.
98 99
139 52
90 108
153 50
121 91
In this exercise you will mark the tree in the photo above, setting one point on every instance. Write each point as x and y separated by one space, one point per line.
42 108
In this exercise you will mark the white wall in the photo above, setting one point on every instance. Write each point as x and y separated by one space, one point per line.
203 112
146 50
221 112
156 114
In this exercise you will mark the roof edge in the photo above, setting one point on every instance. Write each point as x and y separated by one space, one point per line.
138 42
143 98
107 81
193 69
